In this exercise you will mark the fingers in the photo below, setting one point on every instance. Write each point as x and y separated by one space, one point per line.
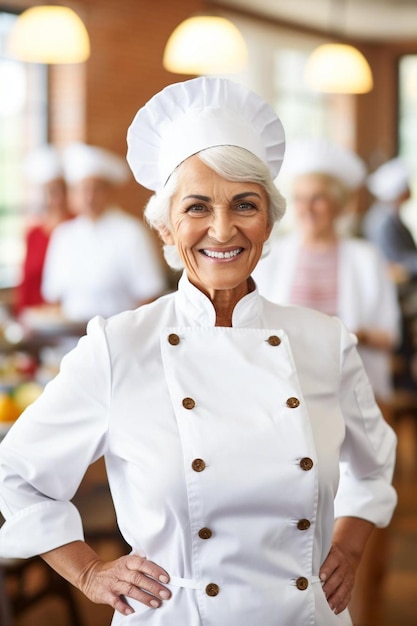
149 568
142 581
129 577
337 576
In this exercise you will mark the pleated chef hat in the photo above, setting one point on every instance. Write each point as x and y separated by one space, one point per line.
321 156
43 165
82 161
390 180
190 116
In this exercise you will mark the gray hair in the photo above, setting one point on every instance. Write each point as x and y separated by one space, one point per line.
232 163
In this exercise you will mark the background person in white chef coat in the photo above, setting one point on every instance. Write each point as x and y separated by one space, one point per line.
43 169
104 260
315 267
228 423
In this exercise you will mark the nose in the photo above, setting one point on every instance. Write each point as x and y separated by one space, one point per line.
222 226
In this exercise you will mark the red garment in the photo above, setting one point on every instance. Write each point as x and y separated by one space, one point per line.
28 292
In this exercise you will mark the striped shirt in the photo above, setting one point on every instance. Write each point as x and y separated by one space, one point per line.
315 282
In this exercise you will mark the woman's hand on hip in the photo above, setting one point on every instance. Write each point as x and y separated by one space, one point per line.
130 576
338 576
338 570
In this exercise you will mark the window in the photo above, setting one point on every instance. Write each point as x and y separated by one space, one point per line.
23 125
276 71
407 131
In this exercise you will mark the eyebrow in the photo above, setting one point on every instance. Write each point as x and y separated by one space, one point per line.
238 196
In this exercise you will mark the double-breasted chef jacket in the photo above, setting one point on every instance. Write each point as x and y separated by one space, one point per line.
223 448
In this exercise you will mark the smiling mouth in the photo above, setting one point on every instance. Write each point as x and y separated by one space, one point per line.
230 254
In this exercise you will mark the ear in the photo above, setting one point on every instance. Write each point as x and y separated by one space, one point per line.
268 231
165 235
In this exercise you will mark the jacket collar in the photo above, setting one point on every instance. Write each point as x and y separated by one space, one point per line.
199 310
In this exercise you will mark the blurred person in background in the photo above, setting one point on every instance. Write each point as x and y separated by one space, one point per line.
43 169
383 224
385 227
316 267
104 260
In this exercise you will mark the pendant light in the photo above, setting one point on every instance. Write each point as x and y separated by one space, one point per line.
338 67
205 44
49 34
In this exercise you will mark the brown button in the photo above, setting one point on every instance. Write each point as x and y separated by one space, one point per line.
205 533
306 464
212 589
273 340
303 524
198 465
302 583
173 339
293 403
188 403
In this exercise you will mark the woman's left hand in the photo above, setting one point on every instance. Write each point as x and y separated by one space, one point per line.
338 570
338 576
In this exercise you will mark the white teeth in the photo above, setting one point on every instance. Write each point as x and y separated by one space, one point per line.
222 255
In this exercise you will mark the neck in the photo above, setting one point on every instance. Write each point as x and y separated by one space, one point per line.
321 242
225 300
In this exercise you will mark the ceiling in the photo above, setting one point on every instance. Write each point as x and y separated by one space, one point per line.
373 20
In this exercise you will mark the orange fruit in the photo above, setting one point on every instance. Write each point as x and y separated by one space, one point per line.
9 411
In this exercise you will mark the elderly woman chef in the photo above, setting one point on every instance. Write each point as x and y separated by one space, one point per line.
234 430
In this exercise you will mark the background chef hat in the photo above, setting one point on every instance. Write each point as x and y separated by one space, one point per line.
43 165
81 161
390 180
187 117
321 156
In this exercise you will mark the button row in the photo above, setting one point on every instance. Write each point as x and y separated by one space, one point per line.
174 340
213 590
189 403
199 465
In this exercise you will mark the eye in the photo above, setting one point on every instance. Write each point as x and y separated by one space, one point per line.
246 207
196 209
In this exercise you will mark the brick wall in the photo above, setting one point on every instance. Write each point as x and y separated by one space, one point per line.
125 69
96 101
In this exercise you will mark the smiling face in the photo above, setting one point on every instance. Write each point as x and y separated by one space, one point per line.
219 228
316 207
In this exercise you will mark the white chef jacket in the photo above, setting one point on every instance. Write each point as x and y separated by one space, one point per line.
222 447
367 298
101 267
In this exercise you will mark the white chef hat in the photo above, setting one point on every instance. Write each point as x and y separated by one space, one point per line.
322 156
43 165
82 161
390 180
190 116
